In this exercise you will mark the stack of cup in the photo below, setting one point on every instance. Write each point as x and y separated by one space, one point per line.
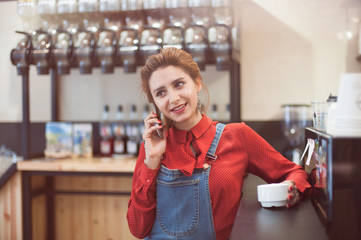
348 113
320 110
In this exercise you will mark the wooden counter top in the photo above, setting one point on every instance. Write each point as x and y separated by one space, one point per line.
124 164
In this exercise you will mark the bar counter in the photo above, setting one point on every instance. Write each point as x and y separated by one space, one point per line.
252 222
255 222
54 189
125 164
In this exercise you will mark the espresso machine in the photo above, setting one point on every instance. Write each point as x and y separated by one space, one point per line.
334 168
62 52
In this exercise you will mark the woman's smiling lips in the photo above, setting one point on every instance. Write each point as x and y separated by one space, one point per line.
178 109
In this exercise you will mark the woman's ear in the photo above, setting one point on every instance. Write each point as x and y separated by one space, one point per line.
198 83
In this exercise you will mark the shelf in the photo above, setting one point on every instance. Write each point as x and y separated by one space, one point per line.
21 60
124 164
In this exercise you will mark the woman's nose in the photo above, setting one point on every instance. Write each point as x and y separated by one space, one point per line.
173 96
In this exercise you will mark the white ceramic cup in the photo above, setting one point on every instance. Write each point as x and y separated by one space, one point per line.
273 195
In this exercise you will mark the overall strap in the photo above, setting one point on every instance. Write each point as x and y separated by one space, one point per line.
212 150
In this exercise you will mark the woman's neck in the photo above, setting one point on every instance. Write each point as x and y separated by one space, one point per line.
189 124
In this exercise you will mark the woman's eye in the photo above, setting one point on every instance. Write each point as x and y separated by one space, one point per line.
179 84
160 93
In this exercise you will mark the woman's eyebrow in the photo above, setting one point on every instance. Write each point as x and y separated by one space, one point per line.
163 87
176 80
157 89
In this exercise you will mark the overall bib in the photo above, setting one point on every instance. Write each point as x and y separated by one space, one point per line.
184 209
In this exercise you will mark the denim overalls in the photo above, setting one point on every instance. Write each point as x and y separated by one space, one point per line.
184 209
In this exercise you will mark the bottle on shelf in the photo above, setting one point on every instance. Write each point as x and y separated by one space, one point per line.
132 144
119 115
178 12
119 132
46 9
215 115
133 132
67 11
141 127
90 15
133 113
228 112
106 134
27 10
146 111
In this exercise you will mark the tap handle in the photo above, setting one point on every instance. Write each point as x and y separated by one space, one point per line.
92 45
48 35
114 35
229 38
28 39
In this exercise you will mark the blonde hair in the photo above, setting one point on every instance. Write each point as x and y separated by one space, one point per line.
170 57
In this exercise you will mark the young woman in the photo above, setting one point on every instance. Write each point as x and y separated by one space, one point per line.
187 184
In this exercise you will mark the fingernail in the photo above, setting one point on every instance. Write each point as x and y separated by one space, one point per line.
288 205
289 197
291 188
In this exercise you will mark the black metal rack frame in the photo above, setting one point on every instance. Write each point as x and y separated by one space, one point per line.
235 105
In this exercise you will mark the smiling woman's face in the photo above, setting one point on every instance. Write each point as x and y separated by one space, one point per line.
175 94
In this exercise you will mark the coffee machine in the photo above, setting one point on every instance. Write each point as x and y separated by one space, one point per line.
334 167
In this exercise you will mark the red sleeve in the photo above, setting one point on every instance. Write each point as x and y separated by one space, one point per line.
141 207
265 162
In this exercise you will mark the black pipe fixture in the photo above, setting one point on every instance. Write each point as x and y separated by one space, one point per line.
41 52
84 48
20 56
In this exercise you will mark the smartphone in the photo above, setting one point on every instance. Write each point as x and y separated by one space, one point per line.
156 110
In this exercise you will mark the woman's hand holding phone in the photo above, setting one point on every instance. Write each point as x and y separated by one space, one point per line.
154 143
